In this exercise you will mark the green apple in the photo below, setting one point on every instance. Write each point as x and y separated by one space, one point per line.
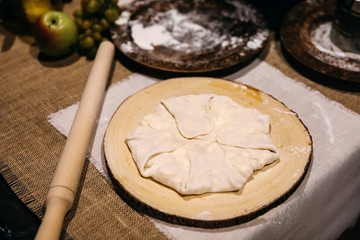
55 34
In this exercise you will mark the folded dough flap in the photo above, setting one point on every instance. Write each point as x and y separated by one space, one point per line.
239 126
201 167
170 168
157 133
246 161
210 170
191 114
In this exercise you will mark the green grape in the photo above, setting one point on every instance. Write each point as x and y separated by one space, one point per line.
111 14
88 32
78 22
87 43
81 36
104 39
97 36
92 6
97 27
86 24
94 20
104 23
78 13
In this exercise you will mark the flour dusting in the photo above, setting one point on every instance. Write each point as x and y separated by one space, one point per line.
177 31
333 54
327 121
285 112
196 31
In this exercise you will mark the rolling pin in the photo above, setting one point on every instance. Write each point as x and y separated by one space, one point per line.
64 184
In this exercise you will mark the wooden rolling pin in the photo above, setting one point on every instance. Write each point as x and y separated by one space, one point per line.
65 181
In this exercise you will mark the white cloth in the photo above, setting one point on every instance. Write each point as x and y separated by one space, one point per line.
326 202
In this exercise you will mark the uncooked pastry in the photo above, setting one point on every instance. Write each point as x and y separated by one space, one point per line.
202 143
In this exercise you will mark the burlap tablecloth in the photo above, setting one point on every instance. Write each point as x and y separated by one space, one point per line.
32 88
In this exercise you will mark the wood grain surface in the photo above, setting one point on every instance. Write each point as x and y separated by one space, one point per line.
265 189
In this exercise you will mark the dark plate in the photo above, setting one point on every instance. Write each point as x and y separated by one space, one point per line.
297 36
202 36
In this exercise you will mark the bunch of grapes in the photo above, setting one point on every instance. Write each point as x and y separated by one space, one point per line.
94 20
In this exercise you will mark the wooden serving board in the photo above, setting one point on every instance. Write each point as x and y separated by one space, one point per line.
265 189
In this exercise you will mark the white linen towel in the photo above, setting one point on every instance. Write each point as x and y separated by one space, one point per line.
326 202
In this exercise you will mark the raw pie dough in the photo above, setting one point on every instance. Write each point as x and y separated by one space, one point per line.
202 143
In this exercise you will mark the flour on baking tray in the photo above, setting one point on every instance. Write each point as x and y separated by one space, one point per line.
189 32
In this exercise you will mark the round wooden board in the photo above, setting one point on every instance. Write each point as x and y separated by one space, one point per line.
264 190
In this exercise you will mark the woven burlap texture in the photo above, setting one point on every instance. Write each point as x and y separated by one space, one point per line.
33 87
